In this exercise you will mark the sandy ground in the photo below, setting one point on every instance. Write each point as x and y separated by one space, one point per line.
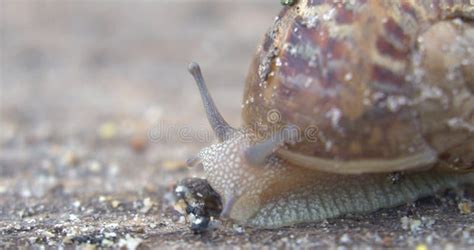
98 114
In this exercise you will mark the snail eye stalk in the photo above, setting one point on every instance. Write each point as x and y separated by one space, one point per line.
221 128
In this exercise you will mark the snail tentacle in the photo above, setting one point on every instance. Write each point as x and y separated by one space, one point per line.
257 154
193 161
227 207
221 128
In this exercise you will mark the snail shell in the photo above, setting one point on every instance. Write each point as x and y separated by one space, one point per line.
339 95
366 75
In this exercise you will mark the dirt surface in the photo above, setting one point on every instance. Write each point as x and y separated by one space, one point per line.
98 115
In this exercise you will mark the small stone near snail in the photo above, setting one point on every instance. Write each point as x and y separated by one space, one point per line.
201 204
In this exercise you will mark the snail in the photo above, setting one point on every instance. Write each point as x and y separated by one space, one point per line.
340 96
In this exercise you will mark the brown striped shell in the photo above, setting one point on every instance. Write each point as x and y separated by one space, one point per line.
374 86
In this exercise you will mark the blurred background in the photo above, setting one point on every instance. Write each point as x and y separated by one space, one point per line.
91 79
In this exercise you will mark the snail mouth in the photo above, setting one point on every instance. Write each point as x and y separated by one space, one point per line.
416 161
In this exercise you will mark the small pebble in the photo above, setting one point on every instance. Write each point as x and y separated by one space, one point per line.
115 203
73 217
69 158
147 205
107 243
181 220
3 189
103 198
345 239
129 242
138 143
421 247
465 207
174 165
238 229
180 206
88 247
449 246
95 166
348 77
48 234
76 204
32 240
110 235
466 235
112 226
108 130
429 239
415 225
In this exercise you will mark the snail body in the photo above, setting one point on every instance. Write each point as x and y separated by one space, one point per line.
340 95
